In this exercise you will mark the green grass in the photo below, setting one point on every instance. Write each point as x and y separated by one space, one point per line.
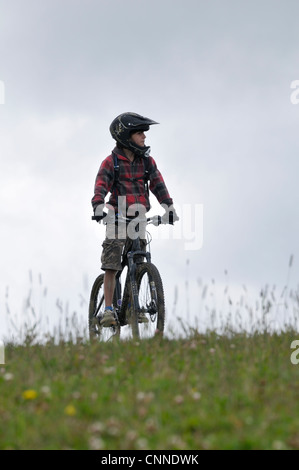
235 391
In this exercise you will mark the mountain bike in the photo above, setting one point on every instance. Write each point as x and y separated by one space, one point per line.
142 293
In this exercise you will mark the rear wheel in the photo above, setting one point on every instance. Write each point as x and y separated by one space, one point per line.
96 311
151 302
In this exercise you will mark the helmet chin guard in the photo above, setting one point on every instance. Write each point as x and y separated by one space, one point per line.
124 125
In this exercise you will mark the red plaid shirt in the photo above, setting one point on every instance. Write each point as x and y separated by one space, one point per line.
131 182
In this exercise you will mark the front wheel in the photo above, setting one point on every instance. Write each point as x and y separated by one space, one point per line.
151 301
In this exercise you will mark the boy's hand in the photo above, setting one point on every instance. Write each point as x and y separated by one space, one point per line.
170 217
99 214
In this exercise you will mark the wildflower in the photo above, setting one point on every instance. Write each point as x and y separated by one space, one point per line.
178 399
176 442
8 376
46 390
29 394
142 411
70 410
120 398
131 435
195 395
140 396
141 443
96 427
145 397
113 426
151 425
109 370
96 443
104 358
278 445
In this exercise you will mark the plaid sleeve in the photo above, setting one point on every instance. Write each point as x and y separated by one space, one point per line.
157 184
104 182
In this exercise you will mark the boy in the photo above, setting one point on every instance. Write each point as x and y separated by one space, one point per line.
126 174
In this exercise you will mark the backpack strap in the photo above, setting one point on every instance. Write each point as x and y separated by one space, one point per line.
146 174
116 171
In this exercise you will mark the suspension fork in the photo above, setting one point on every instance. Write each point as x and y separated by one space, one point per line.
133 282
132 267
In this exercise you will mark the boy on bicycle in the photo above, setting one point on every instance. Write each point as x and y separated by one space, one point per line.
126 174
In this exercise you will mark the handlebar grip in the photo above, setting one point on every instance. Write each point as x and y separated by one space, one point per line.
156 219
170 218
98 218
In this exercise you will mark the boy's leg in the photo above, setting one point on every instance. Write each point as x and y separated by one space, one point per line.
111 264
109 286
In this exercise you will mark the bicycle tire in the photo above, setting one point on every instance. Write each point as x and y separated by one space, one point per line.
96 309
151 298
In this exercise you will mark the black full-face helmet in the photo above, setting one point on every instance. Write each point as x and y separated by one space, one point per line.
124 125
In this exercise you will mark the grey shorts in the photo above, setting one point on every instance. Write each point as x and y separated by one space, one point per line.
111 254
113 248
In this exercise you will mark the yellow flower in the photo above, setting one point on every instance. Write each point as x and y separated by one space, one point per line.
29 394
70 410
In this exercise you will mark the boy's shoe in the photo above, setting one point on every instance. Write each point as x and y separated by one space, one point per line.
108 318
142 318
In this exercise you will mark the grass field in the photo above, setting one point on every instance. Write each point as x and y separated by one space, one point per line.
230 391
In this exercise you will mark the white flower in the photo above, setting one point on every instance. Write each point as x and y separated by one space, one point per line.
96 443
97 427
8 376
196 395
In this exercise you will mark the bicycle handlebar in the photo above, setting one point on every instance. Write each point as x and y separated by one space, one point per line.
155 219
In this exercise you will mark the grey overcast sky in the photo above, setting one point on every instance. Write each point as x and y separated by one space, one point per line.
217 77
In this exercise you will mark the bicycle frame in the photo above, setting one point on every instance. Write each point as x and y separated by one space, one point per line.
131 251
